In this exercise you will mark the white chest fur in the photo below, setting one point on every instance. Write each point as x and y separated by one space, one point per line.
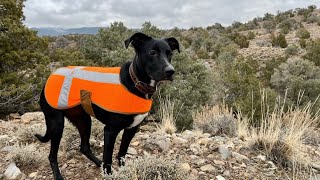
137 120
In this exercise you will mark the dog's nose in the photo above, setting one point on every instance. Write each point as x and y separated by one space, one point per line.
169 71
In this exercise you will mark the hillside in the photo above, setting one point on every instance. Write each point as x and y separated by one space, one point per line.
62 31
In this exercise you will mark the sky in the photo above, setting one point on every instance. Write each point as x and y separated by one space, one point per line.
163 13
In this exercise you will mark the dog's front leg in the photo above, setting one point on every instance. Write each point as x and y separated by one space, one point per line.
127 136
110 135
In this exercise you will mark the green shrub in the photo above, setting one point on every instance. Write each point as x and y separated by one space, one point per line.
251 35
287 25
291 50
313 52
23 61
279 41
242 87
190 89
303 33
269 25
303 43
268 69
240 40
295 76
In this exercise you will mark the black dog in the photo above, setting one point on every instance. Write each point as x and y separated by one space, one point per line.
150 66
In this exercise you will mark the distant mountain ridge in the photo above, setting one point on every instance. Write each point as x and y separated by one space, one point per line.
62 31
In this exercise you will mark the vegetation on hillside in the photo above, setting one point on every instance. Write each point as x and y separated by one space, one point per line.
210 67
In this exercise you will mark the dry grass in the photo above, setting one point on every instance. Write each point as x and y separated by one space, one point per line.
26 156
26 135
281 134
167 116
215 120
149 167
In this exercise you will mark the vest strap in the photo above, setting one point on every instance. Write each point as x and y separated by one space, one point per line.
85 97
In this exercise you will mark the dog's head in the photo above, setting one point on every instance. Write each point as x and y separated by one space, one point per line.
154 55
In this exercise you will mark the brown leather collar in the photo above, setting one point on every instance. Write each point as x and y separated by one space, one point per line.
143 87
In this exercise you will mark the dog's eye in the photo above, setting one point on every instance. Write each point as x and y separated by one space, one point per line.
153 53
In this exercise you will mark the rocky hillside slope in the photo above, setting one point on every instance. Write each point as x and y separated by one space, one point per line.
201 155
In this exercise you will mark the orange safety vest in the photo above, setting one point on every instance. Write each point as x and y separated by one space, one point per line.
62 90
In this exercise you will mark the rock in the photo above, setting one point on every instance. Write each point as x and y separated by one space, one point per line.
220 177
262 157
315 177
132 151
187 134
32 175
226 173
211 156
199 162
145 136
240 157
13 116
184 167
224 151
4 137
32 116
207 168
179 140
272 165
12 171
136 143
160 143
217 162
7 149
204 141
195 148
72 161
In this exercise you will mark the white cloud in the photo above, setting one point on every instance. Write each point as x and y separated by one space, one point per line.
165 13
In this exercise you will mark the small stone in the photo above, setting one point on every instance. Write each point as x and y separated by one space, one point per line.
217 162
195 148
226 173
72 161
204 141
132 151
224 151
3 137
272 165
185 167
240 157
146 153
220 177
262 157
136 143
207 168
32 175
145 136
211 156
12 171
179 140
7 149
64 167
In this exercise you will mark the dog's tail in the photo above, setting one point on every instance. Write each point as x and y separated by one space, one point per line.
44 105
44 138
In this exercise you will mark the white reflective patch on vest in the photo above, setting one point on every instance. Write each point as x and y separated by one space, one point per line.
66 86
84 75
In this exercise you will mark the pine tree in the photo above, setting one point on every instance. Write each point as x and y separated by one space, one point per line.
22 60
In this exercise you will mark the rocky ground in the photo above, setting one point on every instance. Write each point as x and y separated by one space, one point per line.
202 155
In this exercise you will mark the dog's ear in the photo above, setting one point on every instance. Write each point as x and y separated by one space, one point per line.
173 43
137 40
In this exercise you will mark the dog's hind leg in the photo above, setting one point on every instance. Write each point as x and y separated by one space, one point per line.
83 124
57 131
127 136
